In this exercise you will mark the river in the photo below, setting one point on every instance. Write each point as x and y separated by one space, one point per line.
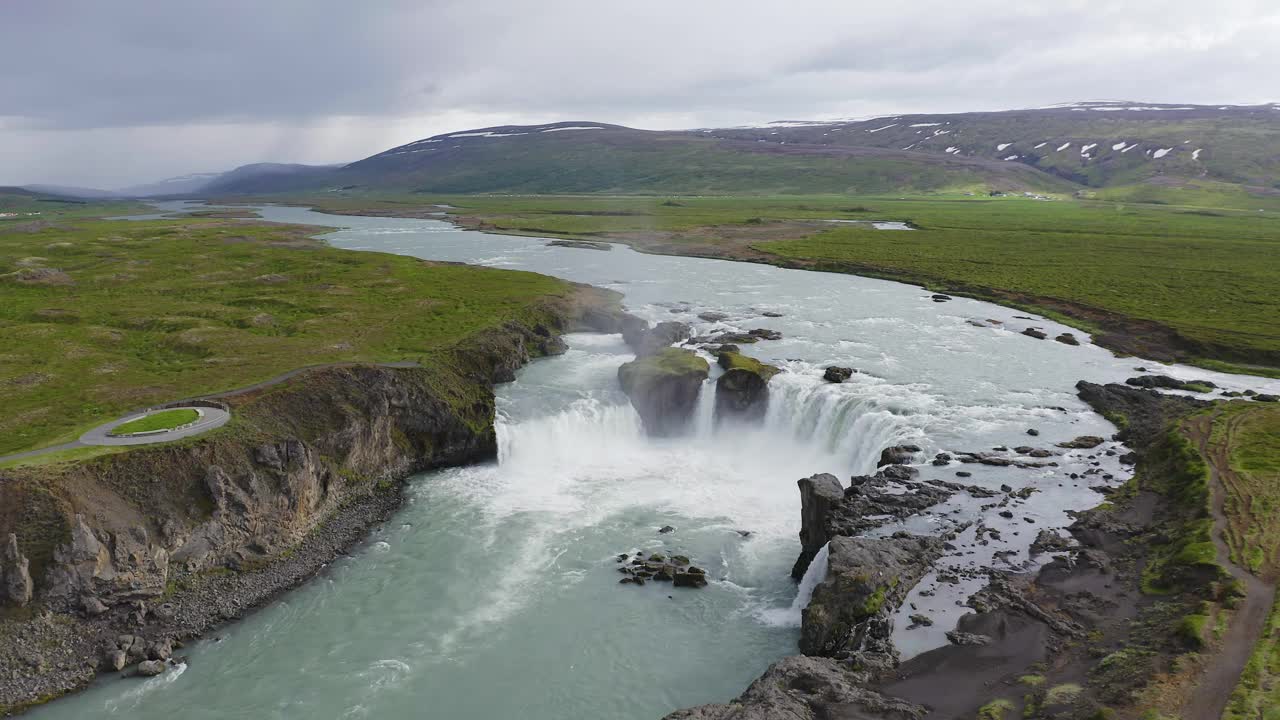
493 593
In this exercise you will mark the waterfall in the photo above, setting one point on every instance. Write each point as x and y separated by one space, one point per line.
848 424
816 573
587 427
792 616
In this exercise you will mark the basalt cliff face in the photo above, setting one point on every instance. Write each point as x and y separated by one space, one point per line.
160 543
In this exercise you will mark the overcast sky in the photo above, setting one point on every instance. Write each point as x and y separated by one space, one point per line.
110 93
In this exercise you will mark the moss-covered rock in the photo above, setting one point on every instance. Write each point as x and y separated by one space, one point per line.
742 392
664 388
851 612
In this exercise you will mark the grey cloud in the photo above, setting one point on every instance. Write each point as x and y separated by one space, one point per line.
169 87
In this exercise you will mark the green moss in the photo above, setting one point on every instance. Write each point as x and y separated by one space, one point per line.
995 710
1032 680
738 361
1062 694
671 362
1192 630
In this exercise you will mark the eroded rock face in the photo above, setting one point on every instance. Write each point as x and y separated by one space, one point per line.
742 392
117 567
806 688
824 516
851 613
15 574
819 496
664 389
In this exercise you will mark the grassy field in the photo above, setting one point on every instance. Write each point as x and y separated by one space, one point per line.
98 318
163 420
1182 281
1247 435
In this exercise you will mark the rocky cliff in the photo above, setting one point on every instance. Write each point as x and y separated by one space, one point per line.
115 544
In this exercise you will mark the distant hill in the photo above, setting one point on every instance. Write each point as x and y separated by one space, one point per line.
181 185
1067 148
268 178
1095 144
67 191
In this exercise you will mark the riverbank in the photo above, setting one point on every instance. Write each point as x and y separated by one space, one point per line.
166 543
1085 263
110 562
1135 617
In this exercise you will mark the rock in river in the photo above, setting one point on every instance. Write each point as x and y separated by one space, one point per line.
898 455
664 388
742 392
836 374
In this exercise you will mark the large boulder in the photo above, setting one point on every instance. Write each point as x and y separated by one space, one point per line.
851 613
819 496
742 392
837 374
806 688
898 455
664 388
15 574
869 502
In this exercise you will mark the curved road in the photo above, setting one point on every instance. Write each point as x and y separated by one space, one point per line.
210 418
214 417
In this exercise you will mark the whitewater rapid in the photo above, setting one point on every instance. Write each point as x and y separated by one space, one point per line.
494 592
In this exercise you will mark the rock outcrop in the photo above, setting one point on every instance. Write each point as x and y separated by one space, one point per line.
664 388
806 688
1146 412
1165 382
15 574
827 511
742 392
851 613
819 497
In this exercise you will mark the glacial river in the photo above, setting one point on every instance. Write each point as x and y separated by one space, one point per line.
494 594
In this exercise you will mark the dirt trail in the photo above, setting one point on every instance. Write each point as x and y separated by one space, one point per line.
1213 690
